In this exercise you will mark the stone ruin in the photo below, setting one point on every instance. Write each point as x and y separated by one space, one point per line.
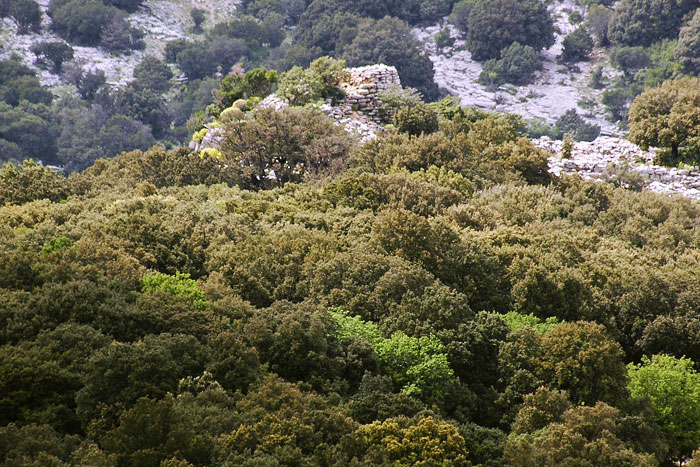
358 112
362 87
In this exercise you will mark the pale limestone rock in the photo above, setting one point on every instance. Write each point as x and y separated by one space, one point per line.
591 161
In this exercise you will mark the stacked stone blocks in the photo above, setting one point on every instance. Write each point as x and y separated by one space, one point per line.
362 86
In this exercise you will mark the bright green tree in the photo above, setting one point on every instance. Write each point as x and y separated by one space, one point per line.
179 284
672 386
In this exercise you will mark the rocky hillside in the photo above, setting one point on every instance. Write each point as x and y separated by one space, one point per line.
554 90
160 20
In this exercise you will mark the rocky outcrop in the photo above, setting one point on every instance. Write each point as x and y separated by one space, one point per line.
606 155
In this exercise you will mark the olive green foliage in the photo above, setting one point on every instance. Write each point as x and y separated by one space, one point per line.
29 182
669 117
672 386
180 285
300 86
581 359
416 120
517 65
400 441
583 436
272 148
495 24
489 309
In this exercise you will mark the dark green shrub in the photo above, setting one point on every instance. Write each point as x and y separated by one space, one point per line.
629 59
643 22
416 120
517 65
26 14
572 124
577 46
496 24
460 14
197 15
54 52
688 50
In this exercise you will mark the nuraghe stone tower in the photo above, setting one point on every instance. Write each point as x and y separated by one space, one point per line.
361 86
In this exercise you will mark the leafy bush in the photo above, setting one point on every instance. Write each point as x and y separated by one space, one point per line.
673 387
672 105
577 46
597 23
443 39
460 14
631 24
26 14
496 24
84 22
197 15
300 86
273 148
416 120
179 285
390 41
630 59
517 321
517 65
54 52
29 182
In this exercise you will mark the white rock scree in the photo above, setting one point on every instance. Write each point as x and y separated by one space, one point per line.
592 160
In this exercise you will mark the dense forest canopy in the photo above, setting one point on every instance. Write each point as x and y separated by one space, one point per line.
438 289
294 296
